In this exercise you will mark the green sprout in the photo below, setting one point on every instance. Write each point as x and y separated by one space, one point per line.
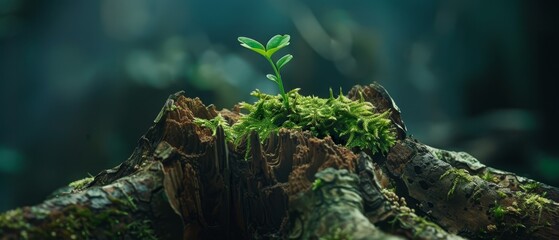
355 123
275 43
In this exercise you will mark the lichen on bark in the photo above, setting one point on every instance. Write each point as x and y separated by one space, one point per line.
187 181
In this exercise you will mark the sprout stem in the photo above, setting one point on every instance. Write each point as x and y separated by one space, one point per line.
280 83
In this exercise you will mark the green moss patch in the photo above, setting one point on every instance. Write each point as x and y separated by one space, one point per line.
348 122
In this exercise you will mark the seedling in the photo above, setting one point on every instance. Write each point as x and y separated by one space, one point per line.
355 123
275 43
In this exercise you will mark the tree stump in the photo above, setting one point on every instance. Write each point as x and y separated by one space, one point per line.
183 182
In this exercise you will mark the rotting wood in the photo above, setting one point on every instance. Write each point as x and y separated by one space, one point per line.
181 181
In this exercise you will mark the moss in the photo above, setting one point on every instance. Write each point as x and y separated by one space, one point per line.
489 177
530 186
534 203
336 234
501 194
142 230
498 211
13 219
408 219
317 184
214 123
77 222
418 225
459 175
127 202
353 123
439 154
423 224
80 223
81 184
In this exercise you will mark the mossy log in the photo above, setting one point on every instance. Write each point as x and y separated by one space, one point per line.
184 182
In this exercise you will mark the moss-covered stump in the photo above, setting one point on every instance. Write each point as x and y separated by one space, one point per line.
197 175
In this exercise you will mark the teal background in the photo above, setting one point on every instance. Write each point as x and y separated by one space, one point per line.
81 81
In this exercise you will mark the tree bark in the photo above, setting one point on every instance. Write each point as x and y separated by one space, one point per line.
182 182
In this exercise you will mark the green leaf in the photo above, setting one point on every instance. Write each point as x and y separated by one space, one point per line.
272 77
284 60
276 43
252 45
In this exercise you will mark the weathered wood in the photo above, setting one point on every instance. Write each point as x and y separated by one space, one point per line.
181 181
130 207
450 188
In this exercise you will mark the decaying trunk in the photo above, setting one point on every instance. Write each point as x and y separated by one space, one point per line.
182 182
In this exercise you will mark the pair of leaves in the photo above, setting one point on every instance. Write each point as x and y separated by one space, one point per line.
275 43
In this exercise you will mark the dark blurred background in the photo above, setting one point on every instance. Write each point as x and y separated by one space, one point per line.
81 81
